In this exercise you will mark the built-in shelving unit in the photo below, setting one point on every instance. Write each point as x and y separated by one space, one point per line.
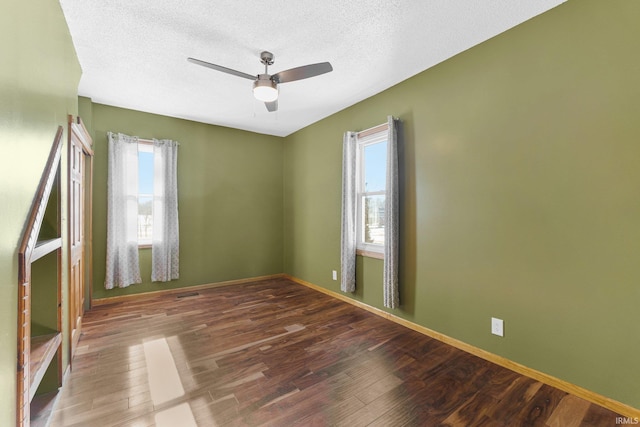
40 276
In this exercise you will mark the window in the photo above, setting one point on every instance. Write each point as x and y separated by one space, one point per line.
369 216
142 209
145 194
371 172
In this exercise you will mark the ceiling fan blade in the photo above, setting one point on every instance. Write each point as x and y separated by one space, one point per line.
272 106
221 68
303 72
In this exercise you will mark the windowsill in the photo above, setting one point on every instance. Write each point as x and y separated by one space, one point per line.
370 254
145 246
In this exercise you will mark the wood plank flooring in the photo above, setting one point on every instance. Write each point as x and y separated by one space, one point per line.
275 353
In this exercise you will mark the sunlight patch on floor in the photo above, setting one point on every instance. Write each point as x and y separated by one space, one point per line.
164 380
180 415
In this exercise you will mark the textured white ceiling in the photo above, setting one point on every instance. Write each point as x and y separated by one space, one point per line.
133 52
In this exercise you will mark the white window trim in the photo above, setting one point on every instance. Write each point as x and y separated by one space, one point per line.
369 138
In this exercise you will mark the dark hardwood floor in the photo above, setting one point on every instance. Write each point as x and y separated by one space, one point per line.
276 353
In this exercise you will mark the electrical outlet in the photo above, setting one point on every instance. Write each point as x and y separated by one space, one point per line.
497 327
335 275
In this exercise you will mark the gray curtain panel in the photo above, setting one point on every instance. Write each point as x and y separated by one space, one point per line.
122 268
391 226
165 246
348 224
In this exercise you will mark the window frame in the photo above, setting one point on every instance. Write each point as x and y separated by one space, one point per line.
376 135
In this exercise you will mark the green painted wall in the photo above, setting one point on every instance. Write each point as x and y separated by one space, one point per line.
38 87
520 196
230 199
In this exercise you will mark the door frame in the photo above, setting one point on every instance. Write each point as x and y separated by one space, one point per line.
78 132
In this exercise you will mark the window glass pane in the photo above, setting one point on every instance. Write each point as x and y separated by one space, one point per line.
373 212
145 172
375 166
145 217
145 192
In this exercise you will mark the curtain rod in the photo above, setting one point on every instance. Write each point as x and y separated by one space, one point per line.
373 130
145 141
141 140
150 141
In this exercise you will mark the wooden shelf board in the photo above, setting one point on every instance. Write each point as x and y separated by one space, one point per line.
45 247
43 350
42 408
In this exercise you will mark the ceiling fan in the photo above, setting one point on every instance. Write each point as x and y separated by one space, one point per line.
265 86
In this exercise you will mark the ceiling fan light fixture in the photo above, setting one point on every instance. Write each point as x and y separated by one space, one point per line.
265 89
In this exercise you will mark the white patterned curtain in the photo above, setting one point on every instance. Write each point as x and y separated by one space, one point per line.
348 224
123 268
165 239
391 212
